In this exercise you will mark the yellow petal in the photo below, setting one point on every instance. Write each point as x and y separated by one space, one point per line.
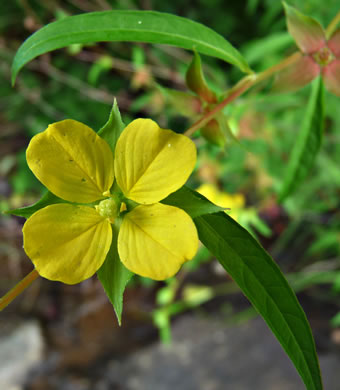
150 162
155 240
67 243
72 161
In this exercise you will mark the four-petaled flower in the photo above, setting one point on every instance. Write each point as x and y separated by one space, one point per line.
318 56
69 241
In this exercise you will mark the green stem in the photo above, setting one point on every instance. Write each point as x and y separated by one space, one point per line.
332 25
242 86
18 289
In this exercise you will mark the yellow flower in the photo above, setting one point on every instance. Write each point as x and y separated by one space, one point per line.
69 242
234 202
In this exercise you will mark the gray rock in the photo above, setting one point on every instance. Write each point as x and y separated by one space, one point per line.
21 349
210 355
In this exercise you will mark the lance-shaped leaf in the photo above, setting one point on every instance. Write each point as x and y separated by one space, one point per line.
307 32
132 26
196 81
264 285
308 141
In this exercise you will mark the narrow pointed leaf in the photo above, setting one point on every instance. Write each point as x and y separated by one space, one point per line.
192 202
264 285
113 127
131 26
308 141
331 77
114 277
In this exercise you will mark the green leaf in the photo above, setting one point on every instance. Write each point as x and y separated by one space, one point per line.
191 202
132 26
264 285
27 211
113 128
308 141
114 277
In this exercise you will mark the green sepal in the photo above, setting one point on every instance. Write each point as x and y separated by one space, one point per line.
196 81
47 199
113 128
192 202
114 276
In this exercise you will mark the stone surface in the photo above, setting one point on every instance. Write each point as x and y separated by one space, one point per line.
210 355
21 349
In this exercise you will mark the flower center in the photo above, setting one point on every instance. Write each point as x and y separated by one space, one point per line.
108 208
324 56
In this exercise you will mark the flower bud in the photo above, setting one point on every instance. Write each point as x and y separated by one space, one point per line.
196 81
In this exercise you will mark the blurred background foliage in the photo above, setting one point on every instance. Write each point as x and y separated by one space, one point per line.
80 82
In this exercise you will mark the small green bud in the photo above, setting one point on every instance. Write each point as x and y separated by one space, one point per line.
196 82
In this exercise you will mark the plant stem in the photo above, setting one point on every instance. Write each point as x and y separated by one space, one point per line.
332 25
278 67
242 86
18 289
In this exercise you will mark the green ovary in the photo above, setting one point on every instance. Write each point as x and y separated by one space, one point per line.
108 208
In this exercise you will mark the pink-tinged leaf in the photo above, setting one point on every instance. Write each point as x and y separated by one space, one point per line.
307 32
297 75
334 43
331 77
